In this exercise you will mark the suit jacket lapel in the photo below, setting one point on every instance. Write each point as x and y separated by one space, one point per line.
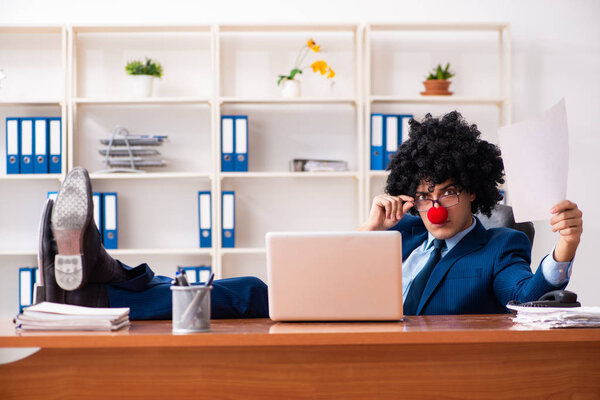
470 243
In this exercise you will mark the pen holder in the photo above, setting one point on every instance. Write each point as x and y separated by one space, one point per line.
191 308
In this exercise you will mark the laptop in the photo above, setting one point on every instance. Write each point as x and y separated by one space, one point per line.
334 276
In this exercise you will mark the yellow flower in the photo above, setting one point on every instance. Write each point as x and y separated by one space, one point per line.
319 66
331 73
313 46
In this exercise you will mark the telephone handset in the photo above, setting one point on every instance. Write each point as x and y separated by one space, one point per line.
556 298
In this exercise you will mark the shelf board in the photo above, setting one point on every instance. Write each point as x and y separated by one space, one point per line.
289 28
309 175
140 28
142 101
283 100
31 29
439 26
243 250
31 102
144 252
379 173
10 252
495 101
31 177
150 175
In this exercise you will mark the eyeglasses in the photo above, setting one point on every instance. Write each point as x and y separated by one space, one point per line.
446 201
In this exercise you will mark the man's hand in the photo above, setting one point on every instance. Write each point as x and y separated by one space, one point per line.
568 222
386 211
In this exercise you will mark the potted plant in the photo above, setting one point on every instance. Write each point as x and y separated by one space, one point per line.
142 76
290 85
437 83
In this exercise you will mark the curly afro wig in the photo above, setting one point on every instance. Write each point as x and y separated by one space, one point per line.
439 149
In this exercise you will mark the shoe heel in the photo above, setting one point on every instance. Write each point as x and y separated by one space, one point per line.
68 271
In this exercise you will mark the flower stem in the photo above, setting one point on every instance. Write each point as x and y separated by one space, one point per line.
301 56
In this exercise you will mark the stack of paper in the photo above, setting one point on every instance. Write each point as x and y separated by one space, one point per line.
65 317
557 317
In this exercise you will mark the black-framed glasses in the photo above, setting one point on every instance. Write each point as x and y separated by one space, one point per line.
446 201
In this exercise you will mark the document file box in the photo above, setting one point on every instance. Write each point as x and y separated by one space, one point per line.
26 145
377 136
191 273
228 219
97 200
405 127
109 227
204 219
26 281
40 133
13 145
204 273
52 195
35 296
503 201
227 144
241 144
392 133
55 145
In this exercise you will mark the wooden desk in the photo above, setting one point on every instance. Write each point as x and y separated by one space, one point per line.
424 357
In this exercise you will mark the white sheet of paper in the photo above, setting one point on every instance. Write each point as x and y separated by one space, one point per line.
536 162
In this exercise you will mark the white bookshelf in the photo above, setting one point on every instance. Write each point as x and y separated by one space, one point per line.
34 59
225 69
276 196
412 50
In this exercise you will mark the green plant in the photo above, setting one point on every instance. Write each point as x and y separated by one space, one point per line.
441 74
139 68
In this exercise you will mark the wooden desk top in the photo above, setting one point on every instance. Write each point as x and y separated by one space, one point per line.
439 329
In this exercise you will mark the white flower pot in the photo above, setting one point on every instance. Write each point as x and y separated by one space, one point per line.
141 85
290 88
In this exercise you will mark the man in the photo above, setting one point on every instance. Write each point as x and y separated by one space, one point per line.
450 267
454 265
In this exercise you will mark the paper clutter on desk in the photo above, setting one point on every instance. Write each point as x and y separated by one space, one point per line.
555 317
48 316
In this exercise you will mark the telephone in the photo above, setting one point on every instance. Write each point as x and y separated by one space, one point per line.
556 298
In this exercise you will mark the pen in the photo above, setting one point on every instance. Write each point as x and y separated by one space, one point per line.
197 300
181 278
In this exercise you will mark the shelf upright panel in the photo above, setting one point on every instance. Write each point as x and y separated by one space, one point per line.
72 93
66 102
216 146
359 110
367 120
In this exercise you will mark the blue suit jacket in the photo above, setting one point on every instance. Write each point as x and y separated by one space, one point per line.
482 273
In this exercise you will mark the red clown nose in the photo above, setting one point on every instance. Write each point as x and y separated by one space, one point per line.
437 215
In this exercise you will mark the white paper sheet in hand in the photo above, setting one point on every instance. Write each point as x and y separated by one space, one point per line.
536 160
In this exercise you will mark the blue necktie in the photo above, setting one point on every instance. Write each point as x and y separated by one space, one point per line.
418 285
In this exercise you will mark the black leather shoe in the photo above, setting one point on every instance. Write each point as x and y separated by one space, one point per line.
71 215
47 289
81 257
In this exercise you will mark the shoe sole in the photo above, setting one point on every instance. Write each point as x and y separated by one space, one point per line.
71 215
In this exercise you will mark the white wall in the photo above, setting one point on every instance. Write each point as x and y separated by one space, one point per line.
556 53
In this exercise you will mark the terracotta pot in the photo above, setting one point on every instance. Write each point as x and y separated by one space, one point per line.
436 87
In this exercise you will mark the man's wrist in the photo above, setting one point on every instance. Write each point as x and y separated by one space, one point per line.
564 252
367 226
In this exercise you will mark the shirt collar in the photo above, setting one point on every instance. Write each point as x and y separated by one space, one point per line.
453 241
